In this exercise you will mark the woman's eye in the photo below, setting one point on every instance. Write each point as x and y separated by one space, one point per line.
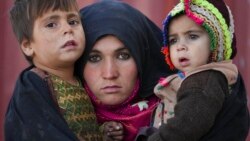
124 56
94 58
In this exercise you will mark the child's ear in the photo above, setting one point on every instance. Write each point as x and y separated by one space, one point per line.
27 48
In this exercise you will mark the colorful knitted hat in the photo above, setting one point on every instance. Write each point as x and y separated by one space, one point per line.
216 17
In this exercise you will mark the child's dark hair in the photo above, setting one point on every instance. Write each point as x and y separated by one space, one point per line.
24 13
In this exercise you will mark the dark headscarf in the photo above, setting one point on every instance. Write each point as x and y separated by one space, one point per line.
140 35
143 39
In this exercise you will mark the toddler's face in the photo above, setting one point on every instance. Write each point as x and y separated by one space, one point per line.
189 44
58 39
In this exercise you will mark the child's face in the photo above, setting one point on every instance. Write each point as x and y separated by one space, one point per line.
189 44
58 39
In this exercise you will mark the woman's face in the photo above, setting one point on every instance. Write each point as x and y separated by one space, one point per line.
110 71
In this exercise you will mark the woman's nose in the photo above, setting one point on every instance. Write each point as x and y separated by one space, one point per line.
110 70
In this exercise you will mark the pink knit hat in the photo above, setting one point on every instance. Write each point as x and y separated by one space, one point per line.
215 16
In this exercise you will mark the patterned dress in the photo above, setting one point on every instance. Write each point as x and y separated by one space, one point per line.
77 109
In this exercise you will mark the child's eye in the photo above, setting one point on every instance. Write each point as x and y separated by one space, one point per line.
193 36
124 55
172 41
51 25
94 58
74 22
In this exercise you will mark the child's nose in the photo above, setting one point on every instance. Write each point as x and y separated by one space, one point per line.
67 28
181 46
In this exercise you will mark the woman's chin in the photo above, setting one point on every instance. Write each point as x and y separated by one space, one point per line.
112 101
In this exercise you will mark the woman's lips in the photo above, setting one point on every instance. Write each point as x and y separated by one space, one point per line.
111 89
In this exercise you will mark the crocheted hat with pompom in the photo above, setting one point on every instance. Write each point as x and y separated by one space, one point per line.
216 17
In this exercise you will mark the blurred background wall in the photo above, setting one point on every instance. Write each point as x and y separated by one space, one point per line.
12 60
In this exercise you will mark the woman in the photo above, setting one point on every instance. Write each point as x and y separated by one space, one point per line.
121 64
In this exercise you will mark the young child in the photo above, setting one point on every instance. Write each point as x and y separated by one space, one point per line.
206 100
49 103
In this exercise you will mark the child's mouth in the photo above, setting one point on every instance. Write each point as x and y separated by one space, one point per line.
70 43
184 62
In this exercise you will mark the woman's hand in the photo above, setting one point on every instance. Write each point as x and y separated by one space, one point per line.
112 131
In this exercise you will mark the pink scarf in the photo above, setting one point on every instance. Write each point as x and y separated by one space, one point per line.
132 113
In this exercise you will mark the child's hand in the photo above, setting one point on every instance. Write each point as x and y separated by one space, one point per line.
112 131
